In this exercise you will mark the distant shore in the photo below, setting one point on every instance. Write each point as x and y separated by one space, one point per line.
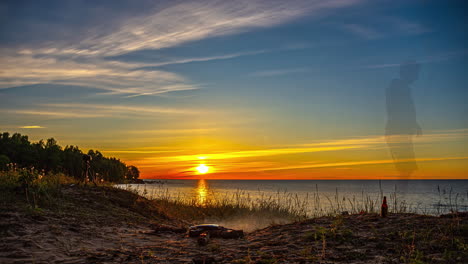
109 225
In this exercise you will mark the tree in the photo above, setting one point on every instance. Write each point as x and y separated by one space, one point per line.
50 157
53 155
132 173
4 160
72 161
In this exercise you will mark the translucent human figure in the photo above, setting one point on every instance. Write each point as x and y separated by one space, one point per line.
402 125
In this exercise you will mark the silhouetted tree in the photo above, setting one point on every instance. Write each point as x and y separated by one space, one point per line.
49 156
4 160
132 173
72 161
53 156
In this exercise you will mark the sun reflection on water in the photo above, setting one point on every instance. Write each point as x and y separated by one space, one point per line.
202 192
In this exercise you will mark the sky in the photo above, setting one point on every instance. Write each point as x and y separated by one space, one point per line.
249 89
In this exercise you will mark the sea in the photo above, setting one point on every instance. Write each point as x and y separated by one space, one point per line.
318 197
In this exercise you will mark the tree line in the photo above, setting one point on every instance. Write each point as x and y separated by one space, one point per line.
52 158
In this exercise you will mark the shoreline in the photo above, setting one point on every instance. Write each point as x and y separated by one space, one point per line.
317 198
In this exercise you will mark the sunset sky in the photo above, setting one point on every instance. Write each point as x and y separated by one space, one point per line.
250 89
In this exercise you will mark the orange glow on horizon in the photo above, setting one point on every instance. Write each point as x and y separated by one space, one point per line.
359 158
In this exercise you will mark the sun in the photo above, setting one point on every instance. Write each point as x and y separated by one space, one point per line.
202 168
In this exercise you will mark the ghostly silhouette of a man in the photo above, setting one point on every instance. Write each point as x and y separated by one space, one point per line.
402 125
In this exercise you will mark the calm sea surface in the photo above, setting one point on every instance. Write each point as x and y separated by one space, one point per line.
320 197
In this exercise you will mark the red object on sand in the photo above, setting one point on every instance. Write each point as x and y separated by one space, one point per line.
384 209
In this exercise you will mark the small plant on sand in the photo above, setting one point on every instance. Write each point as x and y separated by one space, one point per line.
320 236
27 177
324 247
317 234
336 232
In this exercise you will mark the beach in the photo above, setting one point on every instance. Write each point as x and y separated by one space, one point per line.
242 131
108 225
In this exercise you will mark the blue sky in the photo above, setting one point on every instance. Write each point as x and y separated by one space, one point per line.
211 76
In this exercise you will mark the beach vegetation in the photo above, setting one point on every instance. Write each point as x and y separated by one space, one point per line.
48 157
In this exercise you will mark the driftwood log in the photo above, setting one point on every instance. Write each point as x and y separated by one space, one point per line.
214 231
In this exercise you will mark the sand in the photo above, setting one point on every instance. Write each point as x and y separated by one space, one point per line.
125 235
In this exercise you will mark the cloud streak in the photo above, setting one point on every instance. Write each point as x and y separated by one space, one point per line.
85 62
31 127
209 58
253 153
392 26
358 163
188 21
429 59
112 77
279 72
174 131
362 31
240 158
101 110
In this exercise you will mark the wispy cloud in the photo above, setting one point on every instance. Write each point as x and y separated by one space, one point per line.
174 131
241 158
188 21
84 62
113 109
392 26
279 72
362 31
358 163
384 65
253 153
210 58
139 151
100 110
31 127
428 59
58 114
430 136
112 77
227 56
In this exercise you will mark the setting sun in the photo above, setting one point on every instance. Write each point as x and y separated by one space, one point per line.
202 169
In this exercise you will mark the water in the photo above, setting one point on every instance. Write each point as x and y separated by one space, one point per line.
320 197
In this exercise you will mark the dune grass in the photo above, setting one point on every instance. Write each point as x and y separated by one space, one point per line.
279 209
32 188
280 205
35 187
39 190
31 193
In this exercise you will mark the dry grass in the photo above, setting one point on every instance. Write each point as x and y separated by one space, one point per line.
280 205
47 191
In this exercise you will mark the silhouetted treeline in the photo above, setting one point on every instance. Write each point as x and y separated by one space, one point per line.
51 157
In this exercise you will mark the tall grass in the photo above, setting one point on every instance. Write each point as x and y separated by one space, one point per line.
282 204
240 204
39 189
33 186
